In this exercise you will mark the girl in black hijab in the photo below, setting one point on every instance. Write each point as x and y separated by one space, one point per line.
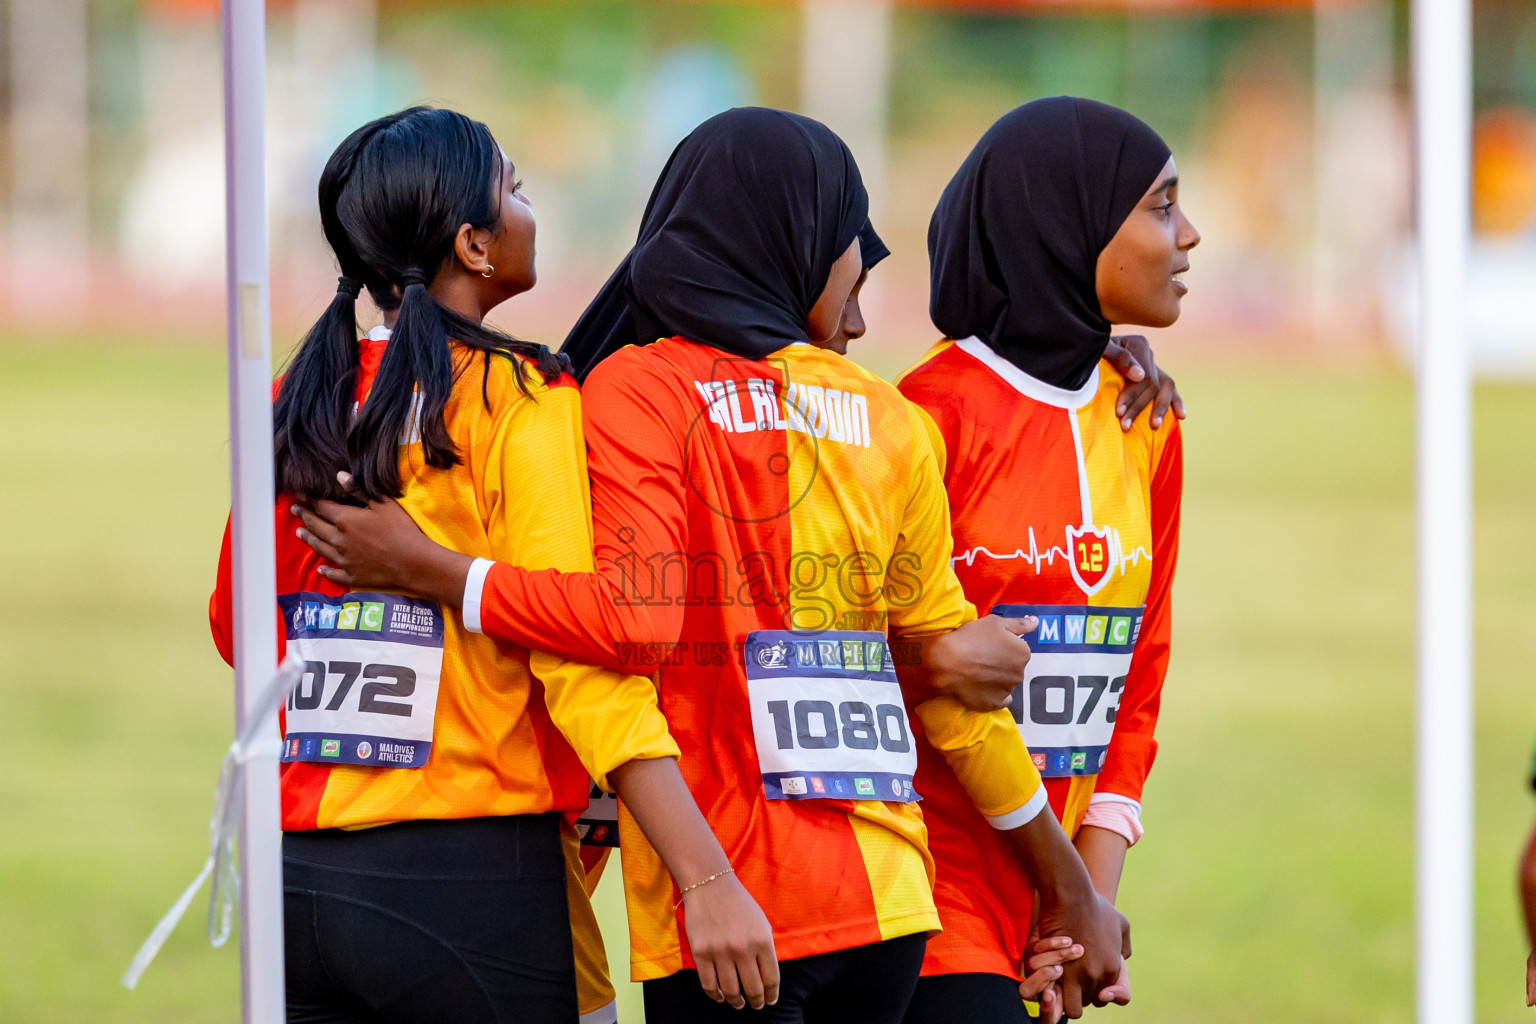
1015 241
1063 220
705 443
723 256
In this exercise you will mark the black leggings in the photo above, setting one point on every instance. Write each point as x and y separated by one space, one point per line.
967 999
864 985
463 920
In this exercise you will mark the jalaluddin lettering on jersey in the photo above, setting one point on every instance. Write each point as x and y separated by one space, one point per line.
822 412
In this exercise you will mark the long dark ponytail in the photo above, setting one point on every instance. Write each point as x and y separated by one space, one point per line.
392 199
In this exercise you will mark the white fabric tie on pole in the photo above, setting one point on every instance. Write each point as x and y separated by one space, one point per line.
1442 95
248 747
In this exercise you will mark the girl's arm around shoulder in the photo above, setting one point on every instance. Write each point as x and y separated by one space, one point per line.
539 519
583 615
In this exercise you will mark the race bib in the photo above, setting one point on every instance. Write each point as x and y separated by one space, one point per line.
598 825
1067 703
372 664
828 717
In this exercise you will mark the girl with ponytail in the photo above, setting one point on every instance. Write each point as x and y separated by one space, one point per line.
396 239
431 776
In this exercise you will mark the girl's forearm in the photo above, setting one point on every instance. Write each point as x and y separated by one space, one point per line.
1103 854
658 799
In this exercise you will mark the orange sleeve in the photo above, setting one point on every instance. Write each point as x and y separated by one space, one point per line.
633 422
221 606
1134 747
609 718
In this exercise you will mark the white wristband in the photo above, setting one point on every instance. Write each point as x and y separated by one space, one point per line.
474 588
1024 815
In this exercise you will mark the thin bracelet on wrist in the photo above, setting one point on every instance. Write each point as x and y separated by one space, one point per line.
688 889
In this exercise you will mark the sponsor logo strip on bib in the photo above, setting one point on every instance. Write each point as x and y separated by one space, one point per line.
1070 695
372 666
828 717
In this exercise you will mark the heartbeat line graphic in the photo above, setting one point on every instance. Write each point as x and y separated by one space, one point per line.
1033 556
1039 559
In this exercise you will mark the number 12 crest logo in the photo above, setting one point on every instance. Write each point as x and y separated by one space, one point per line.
1091 556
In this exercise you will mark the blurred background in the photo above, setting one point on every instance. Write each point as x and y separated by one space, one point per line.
1274 883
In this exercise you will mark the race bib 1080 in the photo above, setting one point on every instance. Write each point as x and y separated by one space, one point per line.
1067 702
828 717
372 665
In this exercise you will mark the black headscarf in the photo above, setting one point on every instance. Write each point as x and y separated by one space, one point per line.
871 246
737 241
1015 239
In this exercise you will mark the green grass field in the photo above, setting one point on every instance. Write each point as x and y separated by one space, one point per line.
1275 880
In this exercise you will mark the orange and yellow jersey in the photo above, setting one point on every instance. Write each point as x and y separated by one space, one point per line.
495 744
761 526
1055 512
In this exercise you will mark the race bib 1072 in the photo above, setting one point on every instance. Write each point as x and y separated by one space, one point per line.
828 717
372 665
1067 702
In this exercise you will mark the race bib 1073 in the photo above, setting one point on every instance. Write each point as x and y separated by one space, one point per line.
1067 702
372 665
828 717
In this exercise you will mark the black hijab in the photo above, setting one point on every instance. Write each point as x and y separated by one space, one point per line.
737 241
871 246
1016 236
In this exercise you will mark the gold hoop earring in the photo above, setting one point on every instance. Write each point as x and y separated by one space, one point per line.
487 271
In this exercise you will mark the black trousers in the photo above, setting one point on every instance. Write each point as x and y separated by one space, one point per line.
864 985
967 999
428 921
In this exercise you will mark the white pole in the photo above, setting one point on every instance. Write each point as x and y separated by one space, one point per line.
250 424
1442 77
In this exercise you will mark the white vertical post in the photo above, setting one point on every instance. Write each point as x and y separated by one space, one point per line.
1442 75
250 424
50 135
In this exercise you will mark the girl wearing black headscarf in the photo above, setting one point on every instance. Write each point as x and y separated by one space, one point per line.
722 254
1063 220
767 515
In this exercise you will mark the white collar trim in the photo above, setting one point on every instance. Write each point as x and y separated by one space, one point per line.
1024 384
379 333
